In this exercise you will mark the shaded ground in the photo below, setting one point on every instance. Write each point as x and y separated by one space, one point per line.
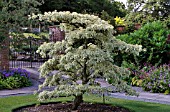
66 107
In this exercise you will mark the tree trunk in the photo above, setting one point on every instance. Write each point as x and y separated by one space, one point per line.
79 98
77 101
4 53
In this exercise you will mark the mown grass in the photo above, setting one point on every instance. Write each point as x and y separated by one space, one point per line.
7 104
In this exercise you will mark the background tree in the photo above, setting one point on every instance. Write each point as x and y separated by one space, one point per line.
149 10
14 15
91 6
97 7
84 55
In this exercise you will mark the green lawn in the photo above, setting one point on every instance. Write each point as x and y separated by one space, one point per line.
9 103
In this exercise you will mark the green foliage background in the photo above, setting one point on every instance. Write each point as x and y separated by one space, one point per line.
153 37
14 15
143 11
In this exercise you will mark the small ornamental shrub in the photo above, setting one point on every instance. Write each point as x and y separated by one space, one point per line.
14 78
84 55
158 80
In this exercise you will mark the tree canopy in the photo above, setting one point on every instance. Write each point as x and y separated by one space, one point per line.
157 9
84 55
14 14
89 6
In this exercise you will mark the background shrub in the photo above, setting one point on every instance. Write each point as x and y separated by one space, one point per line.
153 37
15 78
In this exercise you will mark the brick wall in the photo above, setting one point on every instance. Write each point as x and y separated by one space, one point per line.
56 34
4 54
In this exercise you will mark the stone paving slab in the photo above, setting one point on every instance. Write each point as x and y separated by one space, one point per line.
143 96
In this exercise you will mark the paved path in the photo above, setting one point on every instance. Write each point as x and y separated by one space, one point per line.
144 96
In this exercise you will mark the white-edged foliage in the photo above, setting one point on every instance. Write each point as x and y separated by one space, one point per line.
86 55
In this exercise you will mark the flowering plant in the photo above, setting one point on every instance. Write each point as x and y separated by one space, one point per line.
158 80
119 21
141 73
14 78
152 78
13 72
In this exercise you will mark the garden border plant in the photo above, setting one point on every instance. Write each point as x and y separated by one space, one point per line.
158 79
151 78
14 78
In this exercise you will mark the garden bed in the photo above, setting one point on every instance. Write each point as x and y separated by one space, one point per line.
67 107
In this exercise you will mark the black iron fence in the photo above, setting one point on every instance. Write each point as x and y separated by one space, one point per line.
23 52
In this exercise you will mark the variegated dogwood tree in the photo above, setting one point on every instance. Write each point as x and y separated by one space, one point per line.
84 55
